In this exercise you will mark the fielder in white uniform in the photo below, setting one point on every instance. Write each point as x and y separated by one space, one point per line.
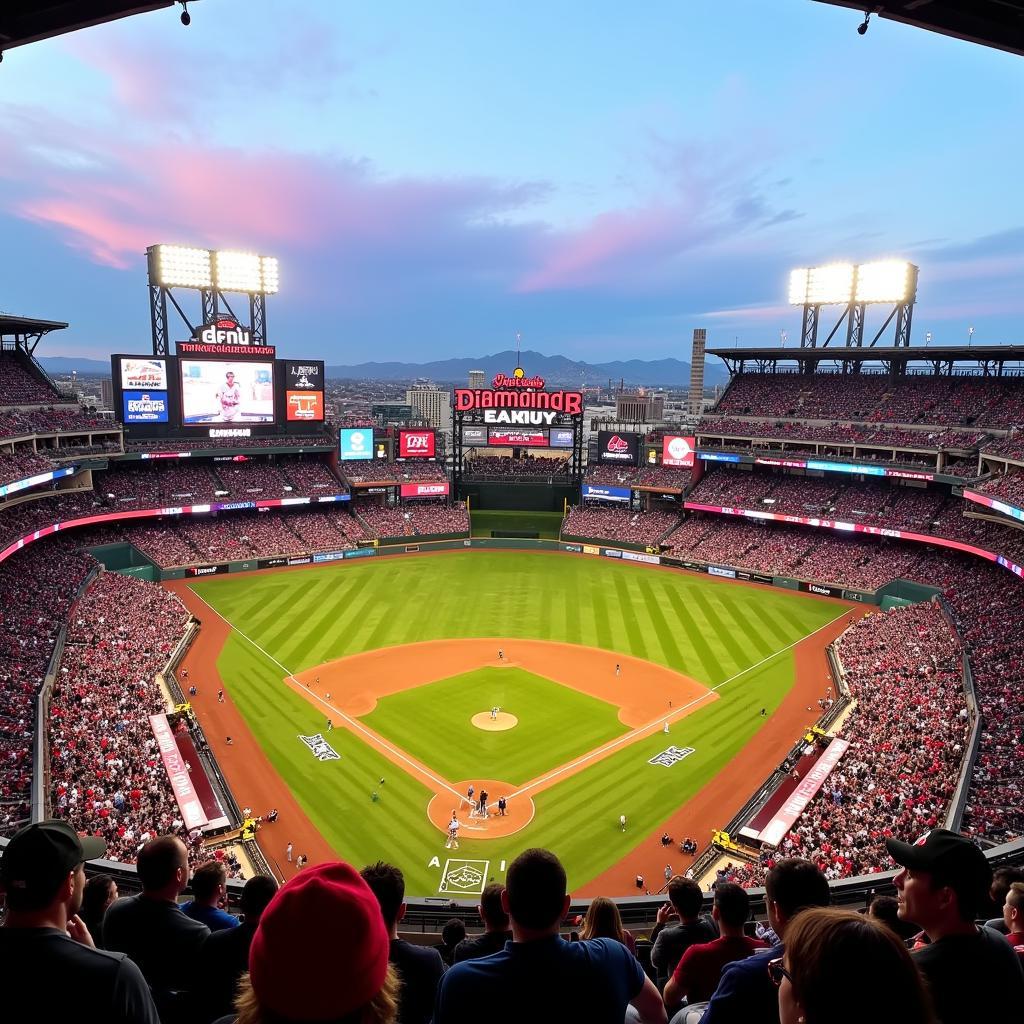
229 394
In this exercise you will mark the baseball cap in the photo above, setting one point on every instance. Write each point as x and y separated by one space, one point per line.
943 851
321 948
39 856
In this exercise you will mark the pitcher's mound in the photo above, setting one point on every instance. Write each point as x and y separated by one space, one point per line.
500 724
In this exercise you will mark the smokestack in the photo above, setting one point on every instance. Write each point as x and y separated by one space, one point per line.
695 400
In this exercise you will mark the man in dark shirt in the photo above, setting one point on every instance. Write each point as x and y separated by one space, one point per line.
496 929
224 957
745 991
973 973
420 967
49 968
539 976
671 942
209 887
697 973
154 932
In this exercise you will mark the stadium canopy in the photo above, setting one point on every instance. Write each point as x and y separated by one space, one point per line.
28 21
996 23
25 332
990 359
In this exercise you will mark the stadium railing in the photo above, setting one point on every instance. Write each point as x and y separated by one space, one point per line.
958 802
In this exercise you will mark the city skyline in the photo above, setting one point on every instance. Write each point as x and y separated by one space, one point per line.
436 182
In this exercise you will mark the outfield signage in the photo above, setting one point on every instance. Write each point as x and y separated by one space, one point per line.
144 406
178 774
522 408
140 374
639 556
717 570
518 438
622 448
207 570
355 444
429 490
600 492
677 451
33 481
995 504
416 444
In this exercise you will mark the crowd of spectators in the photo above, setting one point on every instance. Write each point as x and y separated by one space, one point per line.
617 524
20 385
61 419
671 477
419 519
1009 447
21 464
106 773
908 731
506 467
1009 487
178 444
414 471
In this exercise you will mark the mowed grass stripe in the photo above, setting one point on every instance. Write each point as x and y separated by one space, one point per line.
664 633
753 631
710 669
724 634
781 628
635 641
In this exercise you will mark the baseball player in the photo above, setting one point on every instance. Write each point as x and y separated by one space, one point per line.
453 832
229 394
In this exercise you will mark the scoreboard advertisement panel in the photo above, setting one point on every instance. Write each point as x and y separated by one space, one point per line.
518 438
678 451
144 406
226 391
474 437
623 448
304 406
355 444
416 444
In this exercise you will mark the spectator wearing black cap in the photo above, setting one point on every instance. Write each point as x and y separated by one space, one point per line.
419 967
973 973
154 932
49 967
224 957
496 929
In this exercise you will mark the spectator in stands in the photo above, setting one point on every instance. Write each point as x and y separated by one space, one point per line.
841 967
746 991
1013 917
539 975
496 929
1002 879
320 953
887 910
418 967
224 957
693 928
452 934
972 972
49 966
100 892
209 890
603 921
154 932
697 974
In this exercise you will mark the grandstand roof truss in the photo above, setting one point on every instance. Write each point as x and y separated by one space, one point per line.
28 21
25 333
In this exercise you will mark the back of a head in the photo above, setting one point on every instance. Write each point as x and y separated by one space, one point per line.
1002 879
257 892
848 968
886 909
388 884
733 904
686 896
490 905
795 883
536 888
207 880
453 932
603 920
158 860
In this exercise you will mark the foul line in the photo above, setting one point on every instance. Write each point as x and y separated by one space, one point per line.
637 733
352 723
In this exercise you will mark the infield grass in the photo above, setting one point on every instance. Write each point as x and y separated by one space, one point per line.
714 631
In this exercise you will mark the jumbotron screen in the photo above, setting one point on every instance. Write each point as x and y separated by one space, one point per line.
217 391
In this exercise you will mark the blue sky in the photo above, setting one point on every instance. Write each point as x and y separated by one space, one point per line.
435 179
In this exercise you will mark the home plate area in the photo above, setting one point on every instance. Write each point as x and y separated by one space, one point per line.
518 814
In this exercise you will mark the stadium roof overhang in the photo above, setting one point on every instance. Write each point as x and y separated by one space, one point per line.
997 23
25 332
28 21
991 359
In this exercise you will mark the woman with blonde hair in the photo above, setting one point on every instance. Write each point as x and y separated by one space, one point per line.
846 968
320 955
602 921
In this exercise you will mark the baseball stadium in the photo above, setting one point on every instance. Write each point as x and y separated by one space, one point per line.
779 621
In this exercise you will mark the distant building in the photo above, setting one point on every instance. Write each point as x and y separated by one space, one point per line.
639 408
107 392
477 379
432 405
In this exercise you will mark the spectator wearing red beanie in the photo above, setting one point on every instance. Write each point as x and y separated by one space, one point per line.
319 955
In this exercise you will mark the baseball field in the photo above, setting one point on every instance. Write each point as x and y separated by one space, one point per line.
580 689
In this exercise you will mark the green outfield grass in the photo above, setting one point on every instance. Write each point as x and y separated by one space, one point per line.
717 632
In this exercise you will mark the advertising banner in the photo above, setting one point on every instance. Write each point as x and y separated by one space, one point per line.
224 391
416 444
185 795
355 443
678 451
519 438
207 570
329 556
820 588
139 374
474 437
304 376
595 492
637 556
270 563
361 553
32 481
719 457
436 489
716 570
304 406
300 560
560 437
589 549
995 504
144 406
622 448
787 463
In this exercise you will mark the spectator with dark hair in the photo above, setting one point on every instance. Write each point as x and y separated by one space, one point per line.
50 967
972 972
841 967
496 929
697 974
1002 879
1013 917
603 921
224 957
154 932
453 932
419 967
209 888
745 991
887 910
100 892
671 942
320 953
539 975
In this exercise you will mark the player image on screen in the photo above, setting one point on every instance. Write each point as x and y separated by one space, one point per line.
216 391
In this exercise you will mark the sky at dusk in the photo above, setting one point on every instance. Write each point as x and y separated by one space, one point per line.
436 178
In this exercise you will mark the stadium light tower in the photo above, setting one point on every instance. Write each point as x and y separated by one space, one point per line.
855 287
212 273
